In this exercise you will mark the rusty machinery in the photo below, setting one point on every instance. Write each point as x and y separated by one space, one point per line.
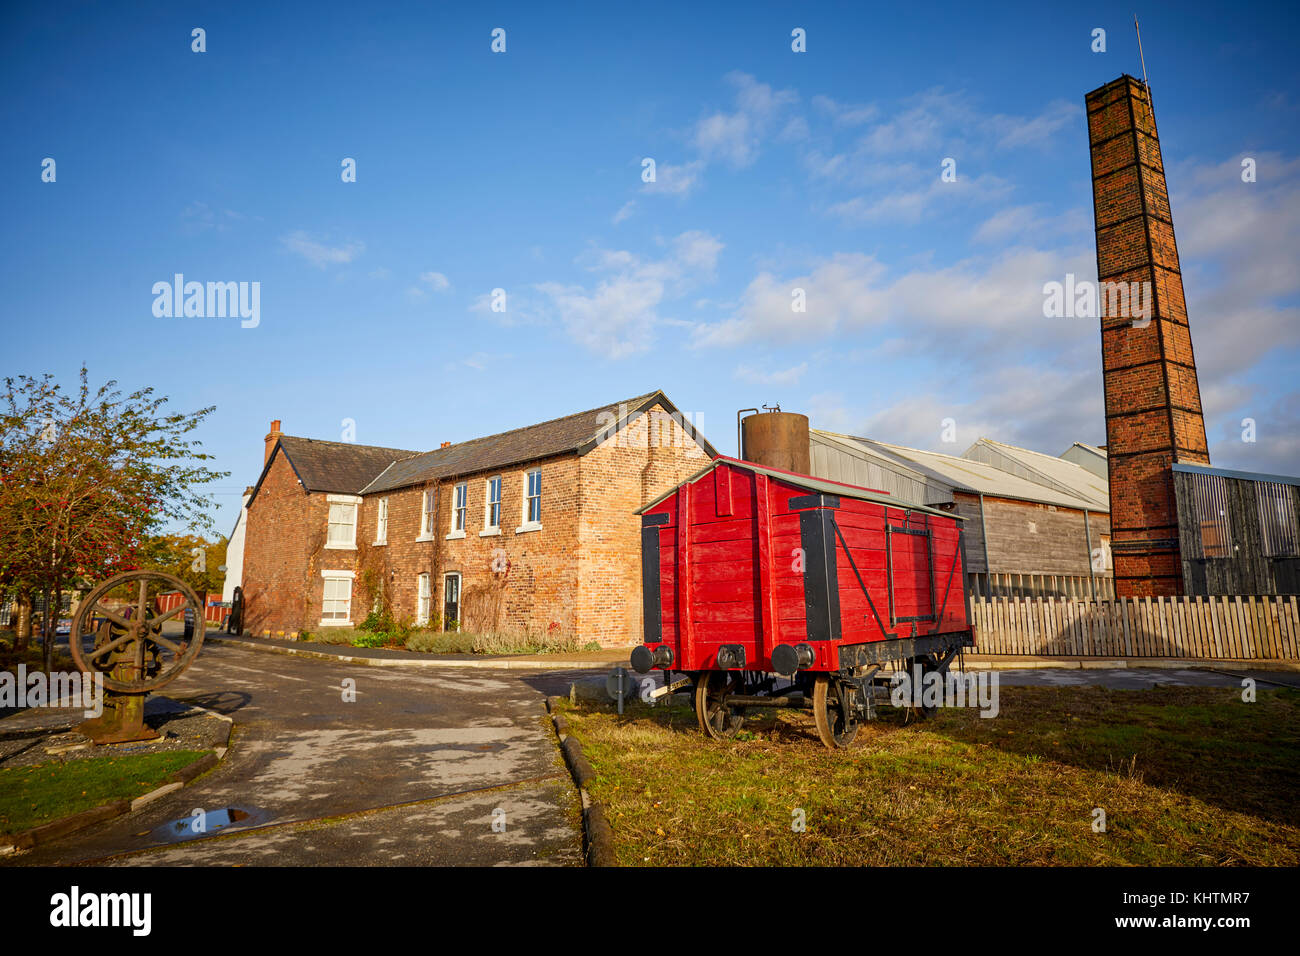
127 642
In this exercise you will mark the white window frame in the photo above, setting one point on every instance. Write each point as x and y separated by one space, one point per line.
381 522
428 504
459 510
342 501
525 524
424 598
348 576
488 527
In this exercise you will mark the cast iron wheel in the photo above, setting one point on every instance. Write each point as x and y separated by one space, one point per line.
134 635
831 726
717 719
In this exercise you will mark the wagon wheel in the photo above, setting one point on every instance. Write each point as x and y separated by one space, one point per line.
832 728
928 664
717 719
134 636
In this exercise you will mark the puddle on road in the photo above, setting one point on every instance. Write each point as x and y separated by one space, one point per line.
204 823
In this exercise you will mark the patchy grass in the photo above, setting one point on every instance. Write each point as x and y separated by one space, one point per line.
1186 776
30 796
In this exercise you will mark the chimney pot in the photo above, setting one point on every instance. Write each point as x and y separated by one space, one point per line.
271 438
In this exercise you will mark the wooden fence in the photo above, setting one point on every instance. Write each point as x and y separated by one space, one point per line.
1214 628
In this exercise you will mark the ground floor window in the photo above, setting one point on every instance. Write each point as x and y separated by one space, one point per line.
422 610
336 600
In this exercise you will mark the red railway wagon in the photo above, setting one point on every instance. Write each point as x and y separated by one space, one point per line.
770 588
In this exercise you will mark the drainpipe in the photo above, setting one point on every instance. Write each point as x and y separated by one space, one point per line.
984 539
1087 536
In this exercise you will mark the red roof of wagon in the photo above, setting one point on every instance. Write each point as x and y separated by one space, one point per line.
807 482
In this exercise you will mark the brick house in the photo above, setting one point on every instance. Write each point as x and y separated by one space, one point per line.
529 530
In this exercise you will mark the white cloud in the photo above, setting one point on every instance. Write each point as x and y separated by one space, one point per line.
318 253
624 212
787 376
676 180
976 300
911 206
620 314
735 137
435 280
846 114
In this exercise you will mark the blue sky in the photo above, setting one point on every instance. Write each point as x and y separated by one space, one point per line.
523 171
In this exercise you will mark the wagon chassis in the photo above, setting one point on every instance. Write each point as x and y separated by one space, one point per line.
841 700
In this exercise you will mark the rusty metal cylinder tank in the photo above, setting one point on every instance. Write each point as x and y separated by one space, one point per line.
777 440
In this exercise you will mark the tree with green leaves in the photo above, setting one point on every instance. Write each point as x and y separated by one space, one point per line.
85 477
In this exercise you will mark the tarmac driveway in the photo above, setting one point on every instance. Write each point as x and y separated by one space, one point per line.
416 770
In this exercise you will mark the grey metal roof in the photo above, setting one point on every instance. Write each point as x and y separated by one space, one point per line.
1059 474
837 457
977 477
803 481
1239 475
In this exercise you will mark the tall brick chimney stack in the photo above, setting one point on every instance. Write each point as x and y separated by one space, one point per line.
1153 402
272 437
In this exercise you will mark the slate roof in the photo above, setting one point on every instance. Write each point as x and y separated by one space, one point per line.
577 433
340 468
348 469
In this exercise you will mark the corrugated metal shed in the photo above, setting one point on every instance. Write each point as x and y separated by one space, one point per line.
1051 472
850 460
1088 456
965 474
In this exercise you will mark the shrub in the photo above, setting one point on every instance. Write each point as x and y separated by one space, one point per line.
438 642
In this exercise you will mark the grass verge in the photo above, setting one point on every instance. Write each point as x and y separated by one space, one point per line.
31 796
1186 776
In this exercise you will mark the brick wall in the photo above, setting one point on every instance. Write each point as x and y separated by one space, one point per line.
579 573
646 459
1153 404
286 528
512 580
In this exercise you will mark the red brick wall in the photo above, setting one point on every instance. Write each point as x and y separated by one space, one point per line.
1153 403
580 573
617 478
285 527
534 583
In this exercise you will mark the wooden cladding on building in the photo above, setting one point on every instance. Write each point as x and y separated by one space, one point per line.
1237 534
